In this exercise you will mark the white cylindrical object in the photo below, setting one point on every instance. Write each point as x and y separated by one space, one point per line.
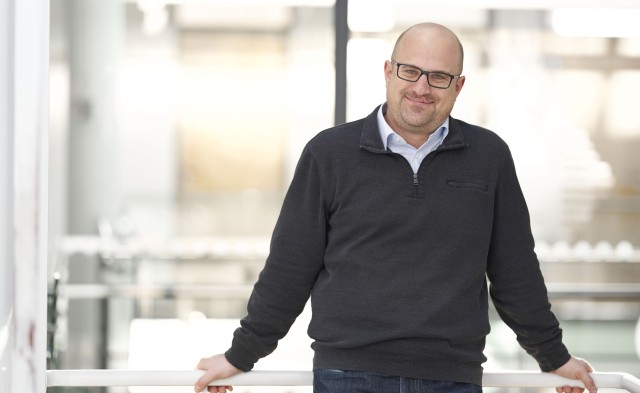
538 380
172 378
305 378
630 383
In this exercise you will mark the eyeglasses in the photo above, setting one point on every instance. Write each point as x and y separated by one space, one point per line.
409 73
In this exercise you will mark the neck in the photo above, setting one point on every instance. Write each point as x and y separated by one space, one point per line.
415 139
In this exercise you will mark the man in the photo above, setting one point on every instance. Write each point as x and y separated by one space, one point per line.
392 224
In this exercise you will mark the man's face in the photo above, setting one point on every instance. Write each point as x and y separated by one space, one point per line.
416 107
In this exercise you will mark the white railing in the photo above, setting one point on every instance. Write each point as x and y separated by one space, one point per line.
614 291
305 378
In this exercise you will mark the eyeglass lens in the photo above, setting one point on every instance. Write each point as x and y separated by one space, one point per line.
435 79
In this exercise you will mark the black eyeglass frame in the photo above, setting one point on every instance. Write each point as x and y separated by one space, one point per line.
425 73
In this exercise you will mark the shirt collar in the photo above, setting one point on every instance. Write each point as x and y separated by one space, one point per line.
386 131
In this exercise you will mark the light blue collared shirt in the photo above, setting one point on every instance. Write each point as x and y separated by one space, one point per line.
397 144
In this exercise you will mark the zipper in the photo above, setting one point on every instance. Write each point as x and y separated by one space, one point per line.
416 187
416 183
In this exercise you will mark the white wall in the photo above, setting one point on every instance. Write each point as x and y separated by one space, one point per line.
24 52
6 200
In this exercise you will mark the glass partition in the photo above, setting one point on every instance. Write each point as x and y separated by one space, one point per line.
176 126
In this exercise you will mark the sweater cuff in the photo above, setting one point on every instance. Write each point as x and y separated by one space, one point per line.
554 359
239 358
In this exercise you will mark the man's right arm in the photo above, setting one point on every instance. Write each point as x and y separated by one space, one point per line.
283 288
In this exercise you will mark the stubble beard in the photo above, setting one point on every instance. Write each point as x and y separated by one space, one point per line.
420 123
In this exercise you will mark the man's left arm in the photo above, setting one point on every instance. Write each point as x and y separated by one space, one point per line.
517 286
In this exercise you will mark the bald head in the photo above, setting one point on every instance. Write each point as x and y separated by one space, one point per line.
427 33
415 109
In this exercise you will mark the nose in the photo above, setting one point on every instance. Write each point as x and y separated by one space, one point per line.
422 85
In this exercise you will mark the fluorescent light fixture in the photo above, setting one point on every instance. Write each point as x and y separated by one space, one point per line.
592 22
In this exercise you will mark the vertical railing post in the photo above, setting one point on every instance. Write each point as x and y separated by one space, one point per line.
341 39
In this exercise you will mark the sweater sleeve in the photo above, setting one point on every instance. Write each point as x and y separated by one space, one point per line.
517 287
294 261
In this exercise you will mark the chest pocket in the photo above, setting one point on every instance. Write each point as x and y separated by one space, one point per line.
473 185
465 208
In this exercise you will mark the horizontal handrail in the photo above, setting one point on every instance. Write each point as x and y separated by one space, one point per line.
557 291
166 291
216 248
594 291
529 379
172 378
258 247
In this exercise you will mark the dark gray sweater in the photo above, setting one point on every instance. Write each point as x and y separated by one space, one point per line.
397 264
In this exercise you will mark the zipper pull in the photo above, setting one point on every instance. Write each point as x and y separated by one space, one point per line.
415 179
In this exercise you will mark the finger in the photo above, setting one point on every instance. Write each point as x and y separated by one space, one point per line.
568 389
202 382
218 389
201 385
588 382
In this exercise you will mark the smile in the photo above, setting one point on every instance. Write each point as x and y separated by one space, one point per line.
420 100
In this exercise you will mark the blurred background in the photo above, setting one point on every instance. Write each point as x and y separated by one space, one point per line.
175 127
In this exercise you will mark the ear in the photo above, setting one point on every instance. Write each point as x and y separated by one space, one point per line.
388 71
460 83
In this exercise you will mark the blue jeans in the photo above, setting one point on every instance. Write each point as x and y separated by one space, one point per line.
338 381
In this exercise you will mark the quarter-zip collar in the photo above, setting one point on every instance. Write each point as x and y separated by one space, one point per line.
371 140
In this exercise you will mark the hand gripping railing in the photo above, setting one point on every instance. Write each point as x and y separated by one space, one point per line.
305 378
